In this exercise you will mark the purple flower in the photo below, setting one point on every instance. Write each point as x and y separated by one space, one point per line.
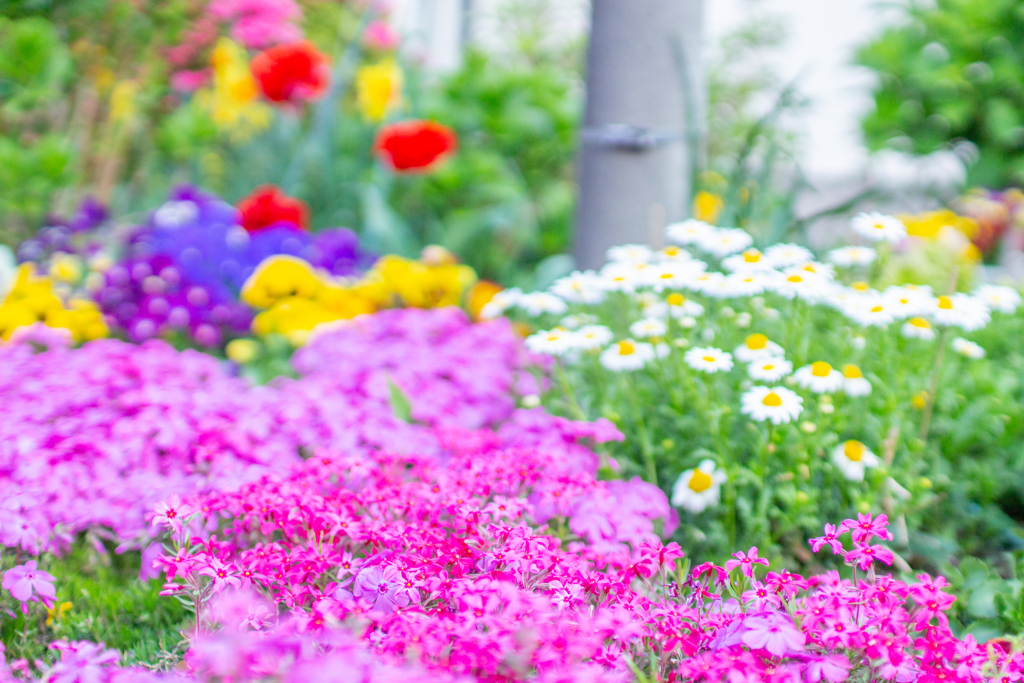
772 631
385 587
864 555
864 528
27 583
831 538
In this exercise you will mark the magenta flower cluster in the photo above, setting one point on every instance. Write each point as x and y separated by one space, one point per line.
92 438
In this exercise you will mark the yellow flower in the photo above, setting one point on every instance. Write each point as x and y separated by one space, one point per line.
294 318
378 89
65 267
423 286
707 206
122 101
280 277
232 102
242 351
57 612
480 295
927 225
83 319
346 302
920 400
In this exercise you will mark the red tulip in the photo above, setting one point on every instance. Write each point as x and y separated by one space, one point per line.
267 205
412 146
295 72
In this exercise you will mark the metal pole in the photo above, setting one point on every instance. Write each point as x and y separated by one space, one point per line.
644 99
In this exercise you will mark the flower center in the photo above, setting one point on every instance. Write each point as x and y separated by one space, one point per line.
853 450
700 481
627 348
877 309
820 369
920 322
676 299
945 302
769 366
772 400
794 278
708 359
757 341
751 256
852 372
671 251
861 286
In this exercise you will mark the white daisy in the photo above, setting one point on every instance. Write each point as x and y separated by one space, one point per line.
778 404
918 328
725 241
852 457
501 302
870 310
847 257
674 254
787 255
825 271
630 253
536 303
627 355
556 342
854 382
878 227
592 337
673 274
708 359
749 261
797 282
679 306
907 302
622 277
688 232
744 284
998 298
819 377
648 327
769 369
580 288
756 347
961 310
697 489
706 282
968 348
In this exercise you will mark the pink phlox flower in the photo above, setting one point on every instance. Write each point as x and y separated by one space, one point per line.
746 561
831 538
927 587
566 595
786 583
864 528
760 597
838 629
169 512
718 574
27 584
772 631
930 604
384 587
864 555
223 575
832 668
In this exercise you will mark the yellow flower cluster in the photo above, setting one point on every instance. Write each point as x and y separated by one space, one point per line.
232 102
33 300
295 298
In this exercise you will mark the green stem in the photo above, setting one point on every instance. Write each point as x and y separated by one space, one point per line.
933 388
563 380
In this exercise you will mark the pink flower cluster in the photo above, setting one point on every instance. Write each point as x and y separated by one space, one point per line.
443 564
258 24
91 438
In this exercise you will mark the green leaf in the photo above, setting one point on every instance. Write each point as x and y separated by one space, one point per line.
400 404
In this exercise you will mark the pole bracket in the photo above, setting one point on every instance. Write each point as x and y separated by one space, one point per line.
629 138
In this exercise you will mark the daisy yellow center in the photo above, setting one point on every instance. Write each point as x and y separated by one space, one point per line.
769 366
772 400
820 368
852 372
853 450
554 336
904 301
666 276
749 278
672 251
676 299
700 481
877 309
751 256
809 267
626 348
920 322
861 286
757 341
945 302
794 278
708 359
